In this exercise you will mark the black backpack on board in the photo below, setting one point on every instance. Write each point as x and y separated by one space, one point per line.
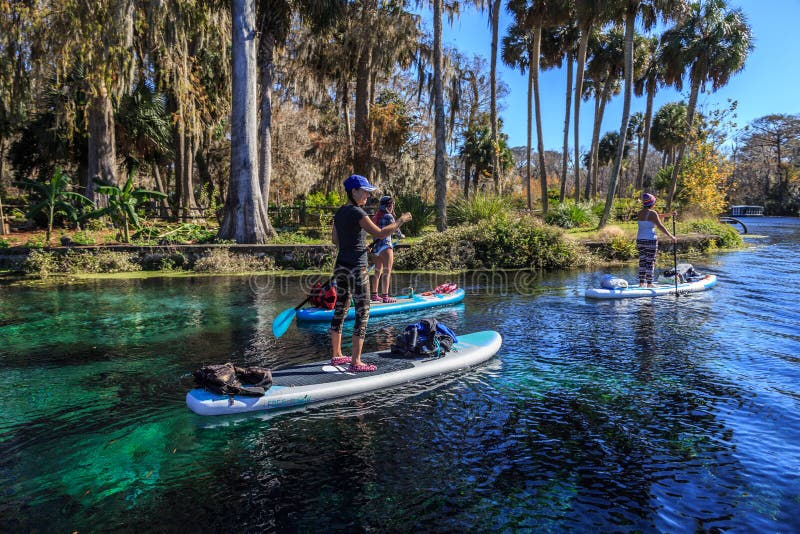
427 338
227 379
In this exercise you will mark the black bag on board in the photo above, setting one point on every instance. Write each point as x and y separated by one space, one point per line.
227 379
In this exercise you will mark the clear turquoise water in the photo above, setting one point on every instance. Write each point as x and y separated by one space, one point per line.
648 415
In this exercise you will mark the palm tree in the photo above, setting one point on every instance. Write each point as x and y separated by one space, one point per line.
604 71
636 129
649 11
494 20
522 48
55 196
245 214
669 130
652 76
123 203
145 131
558 43
588 14
712 44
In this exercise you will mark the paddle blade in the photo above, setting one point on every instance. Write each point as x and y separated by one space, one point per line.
282 322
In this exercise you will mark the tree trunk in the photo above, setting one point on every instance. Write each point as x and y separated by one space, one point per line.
493 94
347 124
673 184
565 155
102 157
2 179
630 19
265 126
245 217
187 187
440 161
161 187
179 145
466 178
529 131
584 43
362 158
648 119
537 42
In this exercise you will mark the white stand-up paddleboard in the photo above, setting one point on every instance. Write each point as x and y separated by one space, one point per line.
633 292
315 382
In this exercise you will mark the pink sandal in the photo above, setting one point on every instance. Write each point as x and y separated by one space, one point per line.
387 299
375 298
362 368
341 360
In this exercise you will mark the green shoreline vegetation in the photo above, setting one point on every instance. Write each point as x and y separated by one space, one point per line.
503 243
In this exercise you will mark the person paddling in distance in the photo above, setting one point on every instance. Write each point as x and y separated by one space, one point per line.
647 240
350 226
383 250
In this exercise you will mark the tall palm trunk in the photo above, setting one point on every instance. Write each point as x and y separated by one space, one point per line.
600 111
529 130
673 184
440 161
537 44
102 157
630 20
565 153
265 124
648 119
245 219
493 95
582 47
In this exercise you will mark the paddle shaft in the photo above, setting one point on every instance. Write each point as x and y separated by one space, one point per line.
675 256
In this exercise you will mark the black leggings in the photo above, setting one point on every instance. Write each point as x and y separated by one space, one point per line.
351 283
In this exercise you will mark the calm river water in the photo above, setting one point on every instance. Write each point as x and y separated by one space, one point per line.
649 415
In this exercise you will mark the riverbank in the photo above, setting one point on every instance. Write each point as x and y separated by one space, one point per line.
525 244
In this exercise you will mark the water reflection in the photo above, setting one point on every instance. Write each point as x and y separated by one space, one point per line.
659 415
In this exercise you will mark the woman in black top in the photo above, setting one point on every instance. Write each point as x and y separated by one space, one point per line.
350 225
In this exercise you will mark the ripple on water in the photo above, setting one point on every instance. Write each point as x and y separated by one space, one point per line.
655 415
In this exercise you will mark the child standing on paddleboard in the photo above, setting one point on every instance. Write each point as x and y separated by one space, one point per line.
350 225
383 250
647 240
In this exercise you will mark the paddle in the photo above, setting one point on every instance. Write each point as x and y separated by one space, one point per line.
285 319
675 255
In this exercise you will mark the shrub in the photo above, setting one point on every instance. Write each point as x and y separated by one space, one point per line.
182 233
610 232
225 261
43 263
84 237
626 209
37 242
501 243
619 248
726 235
314 201
478 208
422 213
3 243
571 215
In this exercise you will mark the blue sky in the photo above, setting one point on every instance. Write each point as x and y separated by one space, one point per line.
769 83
